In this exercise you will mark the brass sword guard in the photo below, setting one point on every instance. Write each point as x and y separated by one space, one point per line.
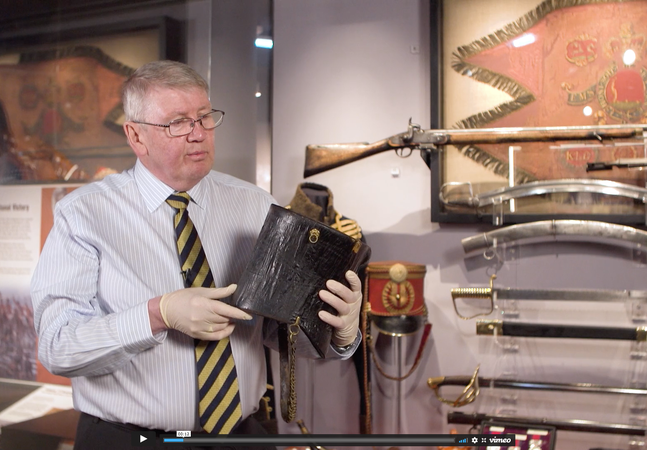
474 292
469 394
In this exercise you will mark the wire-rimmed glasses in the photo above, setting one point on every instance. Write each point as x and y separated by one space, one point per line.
182 127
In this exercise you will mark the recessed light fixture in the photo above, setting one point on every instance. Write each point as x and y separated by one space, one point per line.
264 43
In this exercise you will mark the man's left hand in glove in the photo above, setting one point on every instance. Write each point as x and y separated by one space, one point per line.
348 303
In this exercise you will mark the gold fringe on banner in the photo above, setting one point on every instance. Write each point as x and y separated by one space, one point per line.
520 95
523 24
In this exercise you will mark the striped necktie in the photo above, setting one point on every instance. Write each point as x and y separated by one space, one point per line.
219 406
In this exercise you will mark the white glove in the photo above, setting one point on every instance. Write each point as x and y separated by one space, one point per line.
196 312
348 303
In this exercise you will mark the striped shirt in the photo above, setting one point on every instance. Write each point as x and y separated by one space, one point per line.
111 249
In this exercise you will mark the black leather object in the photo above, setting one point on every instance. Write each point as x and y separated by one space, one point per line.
287 270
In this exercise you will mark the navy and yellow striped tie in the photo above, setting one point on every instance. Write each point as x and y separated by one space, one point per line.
219 406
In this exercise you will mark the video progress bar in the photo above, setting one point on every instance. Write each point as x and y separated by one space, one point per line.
314 440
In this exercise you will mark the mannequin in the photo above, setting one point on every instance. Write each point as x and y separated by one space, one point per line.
315 201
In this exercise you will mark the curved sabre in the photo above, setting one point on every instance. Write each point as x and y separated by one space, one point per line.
605 187
544 228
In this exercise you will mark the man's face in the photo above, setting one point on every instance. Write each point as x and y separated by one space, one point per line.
180 162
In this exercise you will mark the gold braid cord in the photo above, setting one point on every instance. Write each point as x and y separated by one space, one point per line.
292 398
366 339
391 377
347 226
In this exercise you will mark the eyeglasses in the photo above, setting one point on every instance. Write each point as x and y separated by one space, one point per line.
182 127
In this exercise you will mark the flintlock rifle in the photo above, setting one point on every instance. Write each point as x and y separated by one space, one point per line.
321 158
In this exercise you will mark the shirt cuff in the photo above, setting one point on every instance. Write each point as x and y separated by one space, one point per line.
348 350
134 329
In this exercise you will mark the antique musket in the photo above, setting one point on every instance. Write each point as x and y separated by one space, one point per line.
544 228
586 426
320 158
568 185
506 293
538 330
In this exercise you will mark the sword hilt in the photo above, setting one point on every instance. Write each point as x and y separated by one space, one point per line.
474 292
469 394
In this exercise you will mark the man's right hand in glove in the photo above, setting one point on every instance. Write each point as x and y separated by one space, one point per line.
196 312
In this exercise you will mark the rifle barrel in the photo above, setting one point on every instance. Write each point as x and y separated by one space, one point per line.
467 136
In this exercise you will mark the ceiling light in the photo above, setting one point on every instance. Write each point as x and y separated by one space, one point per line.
264 43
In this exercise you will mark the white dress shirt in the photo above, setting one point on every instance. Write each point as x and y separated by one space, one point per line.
111 249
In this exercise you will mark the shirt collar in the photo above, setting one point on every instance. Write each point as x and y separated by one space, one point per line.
155 192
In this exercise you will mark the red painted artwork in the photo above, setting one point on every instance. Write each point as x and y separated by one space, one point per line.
62 104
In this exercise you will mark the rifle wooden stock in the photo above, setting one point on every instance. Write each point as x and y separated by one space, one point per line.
321 158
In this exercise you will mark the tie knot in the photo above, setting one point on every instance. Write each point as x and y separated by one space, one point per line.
178 200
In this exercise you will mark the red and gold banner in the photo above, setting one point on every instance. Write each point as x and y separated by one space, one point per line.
566 63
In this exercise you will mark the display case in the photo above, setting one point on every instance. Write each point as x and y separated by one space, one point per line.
560 65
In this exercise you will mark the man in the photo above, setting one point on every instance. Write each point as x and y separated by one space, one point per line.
111 308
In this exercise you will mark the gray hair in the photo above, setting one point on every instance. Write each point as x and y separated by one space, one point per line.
166 74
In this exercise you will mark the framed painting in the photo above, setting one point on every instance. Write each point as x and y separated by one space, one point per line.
534 64
60 97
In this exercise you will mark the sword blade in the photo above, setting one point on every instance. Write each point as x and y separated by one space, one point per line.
599 295
542 228
606 187
520 329
535 385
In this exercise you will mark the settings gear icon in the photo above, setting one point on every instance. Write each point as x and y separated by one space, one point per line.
475 440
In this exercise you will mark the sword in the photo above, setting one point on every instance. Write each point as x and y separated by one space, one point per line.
519 329
436 383
542 187
553 228
492 293
586 426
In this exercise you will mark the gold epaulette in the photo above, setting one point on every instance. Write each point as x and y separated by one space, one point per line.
347 226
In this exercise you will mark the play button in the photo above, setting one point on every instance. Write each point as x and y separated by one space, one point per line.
143 438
